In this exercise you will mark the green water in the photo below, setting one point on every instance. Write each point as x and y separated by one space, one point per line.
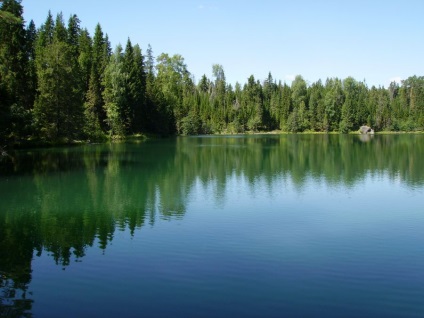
243 226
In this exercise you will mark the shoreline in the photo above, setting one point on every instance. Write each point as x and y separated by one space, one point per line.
37 144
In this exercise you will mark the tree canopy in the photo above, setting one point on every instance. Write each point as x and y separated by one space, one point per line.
59 84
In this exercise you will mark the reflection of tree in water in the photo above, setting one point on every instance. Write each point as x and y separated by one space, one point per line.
335 158
18 241
62 201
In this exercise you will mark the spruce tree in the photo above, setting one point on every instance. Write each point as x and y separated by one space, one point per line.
84 58
13 68
95 116
58 107
31 35
129 78
138 76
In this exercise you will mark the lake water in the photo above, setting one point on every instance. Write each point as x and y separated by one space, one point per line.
222 226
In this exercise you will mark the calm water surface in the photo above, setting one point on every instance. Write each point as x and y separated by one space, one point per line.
242 226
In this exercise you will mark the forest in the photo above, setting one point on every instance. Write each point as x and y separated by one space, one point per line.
60 84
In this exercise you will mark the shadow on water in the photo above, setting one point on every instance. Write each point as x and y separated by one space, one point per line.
62 201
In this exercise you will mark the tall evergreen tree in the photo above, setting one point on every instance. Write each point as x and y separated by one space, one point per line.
361 111
253 103
135 88
45 33
31 35
60 33
138 76
84 58
13 66
220 118
75 47
316 106
157 117
150 62
285 106
349 108
73 35
58 110
333 101
128 74
271 103
95 116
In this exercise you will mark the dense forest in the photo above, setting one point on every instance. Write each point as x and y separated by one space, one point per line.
60 84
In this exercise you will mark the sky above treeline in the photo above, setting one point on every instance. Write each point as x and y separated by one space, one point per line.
377 41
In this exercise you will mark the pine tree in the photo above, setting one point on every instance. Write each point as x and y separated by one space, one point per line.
150 63
31 35
84 58
254 103
95 116
138 76
13 67
349 107
333 101
220 120
271 103
285 106
135 88
316 106
157 117
129 77
45 33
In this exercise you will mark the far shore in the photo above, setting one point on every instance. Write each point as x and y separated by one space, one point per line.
26 144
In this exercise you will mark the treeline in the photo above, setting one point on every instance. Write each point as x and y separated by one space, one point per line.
59 83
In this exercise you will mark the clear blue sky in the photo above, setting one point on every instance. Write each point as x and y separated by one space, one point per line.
375 40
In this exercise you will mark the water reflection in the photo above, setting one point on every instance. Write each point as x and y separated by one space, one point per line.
63 201
366 137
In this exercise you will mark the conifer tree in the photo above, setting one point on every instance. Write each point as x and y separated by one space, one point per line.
31 38
133 68
13 66
58 106
84 58
316 107
253 99
95 116
349 107
285 106
138 76
333 100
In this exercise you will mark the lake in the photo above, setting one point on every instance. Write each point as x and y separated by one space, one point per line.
215 226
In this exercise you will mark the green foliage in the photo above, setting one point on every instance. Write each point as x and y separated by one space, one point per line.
316 106
94 111
14 67
298 88
59 83
114 95
191 124
333 101
58 110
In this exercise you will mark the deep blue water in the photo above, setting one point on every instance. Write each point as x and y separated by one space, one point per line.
241 226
